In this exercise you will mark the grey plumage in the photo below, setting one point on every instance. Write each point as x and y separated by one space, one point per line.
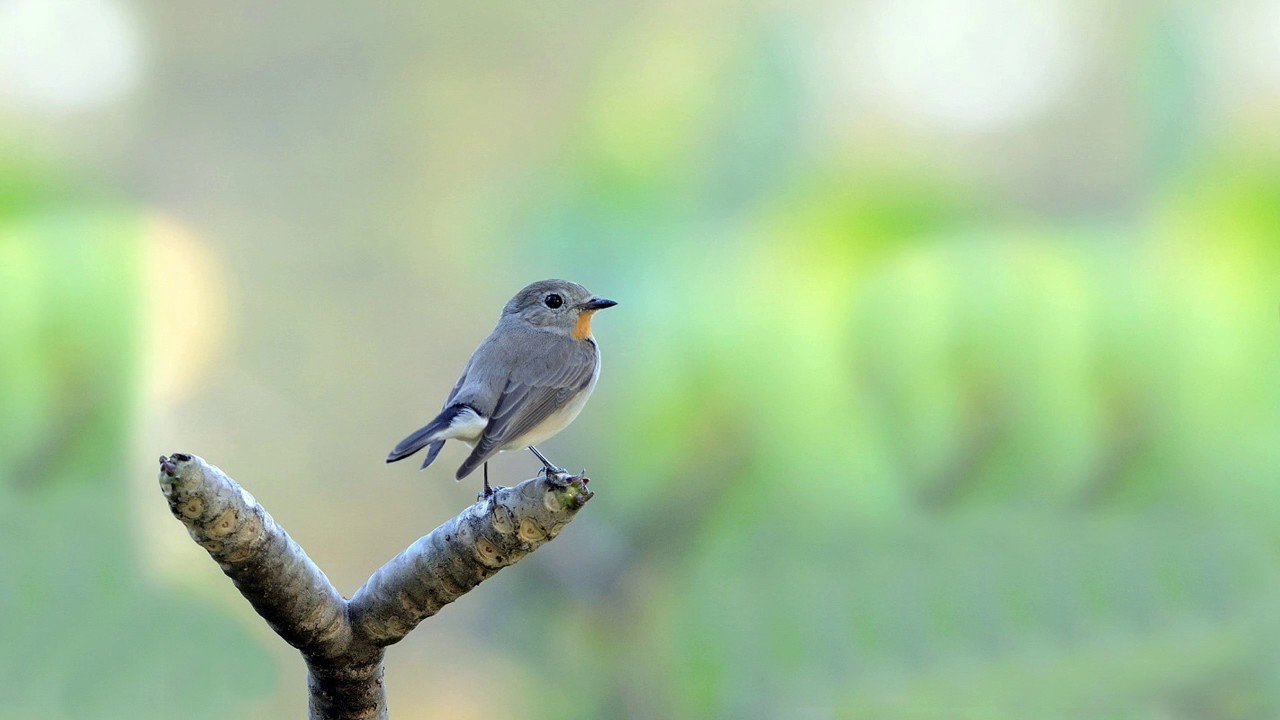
524 383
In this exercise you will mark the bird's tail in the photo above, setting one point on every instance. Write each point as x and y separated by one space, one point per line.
429 434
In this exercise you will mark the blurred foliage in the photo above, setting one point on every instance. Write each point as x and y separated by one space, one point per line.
85 634
910 456
898 421
939 470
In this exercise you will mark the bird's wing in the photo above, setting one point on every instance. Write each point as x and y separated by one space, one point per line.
536 387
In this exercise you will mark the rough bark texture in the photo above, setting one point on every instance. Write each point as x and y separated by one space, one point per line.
342 641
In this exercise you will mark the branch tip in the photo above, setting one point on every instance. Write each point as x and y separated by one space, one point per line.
172 464
574 493
167 466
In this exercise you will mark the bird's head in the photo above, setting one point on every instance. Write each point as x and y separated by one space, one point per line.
557 304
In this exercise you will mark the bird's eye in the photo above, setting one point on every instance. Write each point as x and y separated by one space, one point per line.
553 301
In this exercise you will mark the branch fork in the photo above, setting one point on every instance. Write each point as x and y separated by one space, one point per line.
343 641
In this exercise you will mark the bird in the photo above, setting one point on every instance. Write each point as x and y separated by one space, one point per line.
525 382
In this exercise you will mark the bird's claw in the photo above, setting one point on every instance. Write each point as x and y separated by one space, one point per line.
559 477
489 492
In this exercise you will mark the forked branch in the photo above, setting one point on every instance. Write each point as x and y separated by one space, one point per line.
343 640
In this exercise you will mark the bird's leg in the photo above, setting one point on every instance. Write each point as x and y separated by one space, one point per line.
553 473
490 492
546 464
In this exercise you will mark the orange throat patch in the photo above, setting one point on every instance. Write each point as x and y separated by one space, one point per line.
582 330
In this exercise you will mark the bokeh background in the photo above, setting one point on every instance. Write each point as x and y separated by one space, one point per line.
943 383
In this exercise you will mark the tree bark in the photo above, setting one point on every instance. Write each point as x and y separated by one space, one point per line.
343 640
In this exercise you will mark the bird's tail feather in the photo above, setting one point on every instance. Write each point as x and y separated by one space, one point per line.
432 452
426 435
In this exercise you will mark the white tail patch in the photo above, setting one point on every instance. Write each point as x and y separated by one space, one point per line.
465 426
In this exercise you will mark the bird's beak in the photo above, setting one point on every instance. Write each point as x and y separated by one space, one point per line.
597 304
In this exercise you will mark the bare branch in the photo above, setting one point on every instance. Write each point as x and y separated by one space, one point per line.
267 566
342 642
459 554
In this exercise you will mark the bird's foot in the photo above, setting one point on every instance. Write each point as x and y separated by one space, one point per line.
489 493
559 477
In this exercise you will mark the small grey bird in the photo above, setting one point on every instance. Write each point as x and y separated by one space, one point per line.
526 382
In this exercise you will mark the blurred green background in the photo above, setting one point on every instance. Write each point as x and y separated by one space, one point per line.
943 384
